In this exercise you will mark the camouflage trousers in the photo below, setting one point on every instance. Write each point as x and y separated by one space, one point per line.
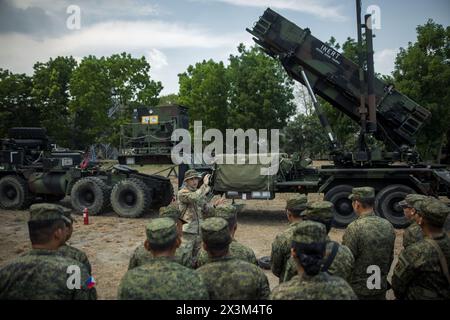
196 243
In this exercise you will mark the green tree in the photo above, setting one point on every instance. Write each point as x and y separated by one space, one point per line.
105 91
91 91
204 89
171 98
17 106
261 93
422 72
52 96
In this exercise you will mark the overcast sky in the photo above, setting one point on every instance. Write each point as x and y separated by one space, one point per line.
173 34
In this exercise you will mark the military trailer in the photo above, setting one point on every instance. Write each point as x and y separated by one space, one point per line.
147 139
381 111
32 169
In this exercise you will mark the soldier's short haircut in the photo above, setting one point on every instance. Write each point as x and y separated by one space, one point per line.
162 247
41 231
367 202
217 249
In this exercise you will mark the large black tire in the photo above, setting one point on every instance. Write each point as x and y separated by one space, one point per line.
91 193
167 195
386 204
131 198
343 210
14 193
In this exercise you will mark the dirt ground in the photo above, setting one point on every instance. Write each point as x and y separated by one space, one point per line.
109 240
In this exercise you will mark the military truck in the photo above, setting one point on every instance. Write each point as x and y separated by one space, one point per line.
32 169
378 107
147 139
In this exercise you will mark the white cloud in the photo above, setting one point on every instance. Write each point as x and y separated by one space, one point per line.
384 61
318 8
157 58
152 39
98 7
20 51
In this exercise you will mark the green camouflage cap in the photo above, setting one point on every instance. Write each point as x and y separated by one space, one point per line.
362 193
434 211
49 211
319 210
225 211
297 203
413 200
191 174
171 211
309 232
215 232
161 231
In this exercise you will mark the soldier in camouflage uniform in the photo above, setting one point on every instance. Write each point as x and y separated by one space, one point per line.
237 250
229 278
69 251
411 206
194 207
42 272
183 254
162 278
281 247
422 271
371 240
308 249
339 259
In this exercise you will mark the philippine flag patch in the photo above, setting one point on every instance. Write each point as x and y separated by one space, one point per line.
90 282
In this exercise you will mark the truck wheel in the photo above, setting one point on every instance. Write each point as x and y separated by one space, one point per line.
386 204
168 195
130 198
14 193
91 193
343 210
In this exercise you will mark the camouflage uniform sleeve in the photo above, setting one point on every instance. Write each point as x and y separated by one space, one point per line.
276 257
193 197
252 257
350 239
85 261
133 261
202 258
291 270
346 262
264 288
404 272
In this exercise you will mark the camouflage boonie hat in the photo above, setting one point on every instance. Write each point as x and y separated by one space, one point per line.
171 211
161 231
362 193
320 210
225 211
191 174
49 211
215 232
413 200
297 203
309 232
434 211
